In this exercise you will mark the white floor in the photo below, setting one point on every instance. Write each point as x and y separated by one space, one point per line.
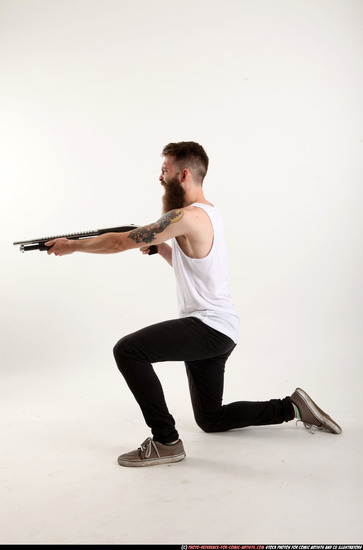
60 481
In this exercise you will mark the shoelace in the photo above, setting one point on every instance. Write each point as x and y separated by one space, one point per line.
147 446
311 428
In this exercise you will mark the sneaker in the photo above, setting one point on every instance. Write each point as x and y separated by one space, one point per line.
151 452
311 415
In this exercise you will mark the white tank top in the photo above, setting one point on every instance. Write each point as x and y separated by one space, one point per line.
203 283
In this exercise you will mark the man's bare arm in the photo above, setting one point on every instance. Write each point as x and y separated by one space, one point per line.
148 233
169 225
164 250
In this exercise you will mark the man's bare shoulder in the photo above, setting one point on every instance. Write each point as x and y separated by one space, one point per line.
195 214
197 237
190 215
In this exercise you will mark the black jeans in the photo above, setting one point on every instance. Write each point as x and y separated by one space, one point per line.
205 352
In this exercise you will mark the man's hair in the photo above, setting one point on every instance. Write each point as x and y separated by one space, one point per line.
191 155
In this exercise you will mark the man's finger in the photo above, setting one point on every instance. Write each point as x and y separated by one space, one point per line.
50 244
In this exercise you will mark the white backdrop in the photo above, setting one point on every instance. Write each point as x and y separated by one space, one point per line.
92 91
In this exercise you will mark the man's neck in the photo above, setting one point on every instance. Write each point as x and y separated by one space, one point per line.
191 198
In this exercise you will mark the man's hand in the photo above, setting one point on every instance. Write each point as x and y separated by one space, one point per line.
60 247
146 249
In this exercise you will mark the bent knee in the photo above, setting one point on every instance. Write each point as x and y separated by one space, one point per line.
123 352
122 347
208 424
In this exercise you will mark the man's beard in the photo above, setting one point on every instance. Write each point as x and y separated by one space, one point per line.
174 195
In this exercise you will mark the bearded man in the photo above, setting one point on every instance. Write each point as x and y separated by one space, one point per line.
206 331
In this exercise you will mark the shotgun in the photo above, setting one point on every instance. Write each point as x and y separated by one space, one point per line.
39 244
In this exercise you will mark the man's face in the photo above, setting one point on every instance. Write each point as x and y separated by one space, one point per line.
170 179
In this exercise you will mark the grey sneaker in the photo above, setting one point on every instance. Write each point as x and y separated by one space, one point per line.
312 416
151 452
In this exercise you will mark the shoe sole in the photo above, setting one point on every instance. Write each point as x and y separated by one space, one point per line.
151 461
316 411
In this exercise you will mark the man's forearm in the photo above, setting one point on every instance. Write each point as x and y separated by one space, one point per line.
109 243
166 252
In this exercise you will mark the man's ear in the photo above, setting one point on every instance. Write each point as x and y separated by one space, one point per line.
185 174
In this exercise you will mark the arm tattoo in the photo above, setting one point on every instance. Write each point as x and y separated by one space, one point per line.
147 233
